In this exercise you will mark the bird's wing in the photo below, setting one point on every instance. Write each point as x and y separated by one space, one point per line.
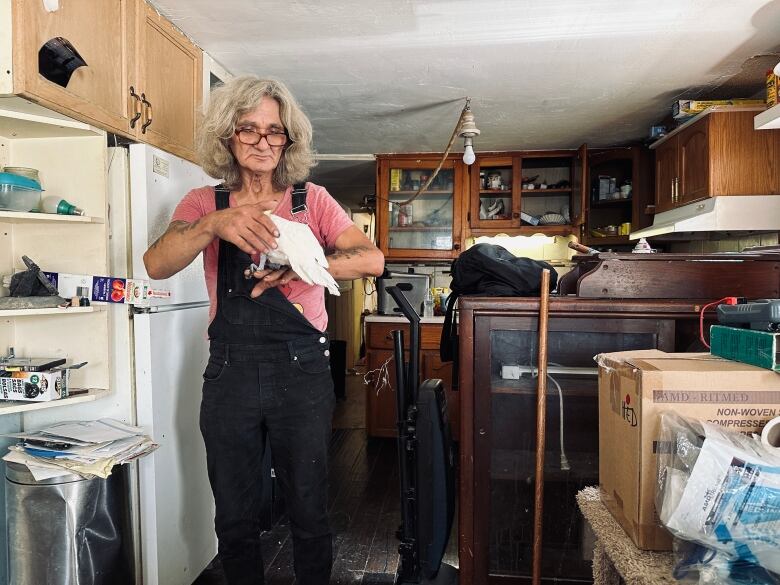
304 253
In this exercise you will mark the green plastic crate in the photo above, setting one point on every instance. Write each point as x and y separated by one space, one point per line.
758 348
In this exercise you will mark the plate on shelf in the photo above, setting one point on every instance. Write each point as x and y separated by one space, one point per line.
552 219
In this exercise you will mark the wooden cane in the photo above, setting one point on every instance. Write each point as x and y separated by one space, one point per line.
541 416
582 249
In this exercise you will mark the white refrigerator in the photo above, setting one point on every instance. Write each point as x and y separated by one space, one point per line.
164 350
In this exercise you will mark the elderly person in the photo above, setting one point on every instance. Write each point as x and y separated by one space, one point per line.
268 373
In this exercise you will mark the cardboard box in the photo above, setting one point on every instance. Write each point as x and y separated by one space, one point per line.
757 348
688 108
106 289
35 386
634 387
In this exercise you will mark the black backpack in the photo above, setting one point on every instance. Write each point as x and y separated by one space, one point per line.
491 271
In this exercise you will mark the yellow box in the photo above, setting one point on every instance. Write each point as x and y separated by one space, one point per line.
686 108
771 88
395 179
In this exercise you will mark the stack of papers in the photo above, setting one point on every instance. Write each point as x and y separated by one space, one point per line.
87 448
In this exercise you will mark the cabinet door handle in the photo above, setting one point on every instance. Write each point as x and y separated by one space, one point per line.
672 186
137 107
515 215
677 189
456 246
148 110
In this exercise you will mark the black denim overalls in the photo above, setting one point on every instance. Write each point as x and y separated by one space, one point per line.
268 376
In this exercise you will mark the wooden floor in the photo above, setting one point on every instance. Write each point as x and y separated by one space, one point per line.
364 509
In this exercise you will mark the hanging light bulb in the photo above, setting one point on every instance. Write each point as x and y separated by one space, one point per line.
468 130
468 153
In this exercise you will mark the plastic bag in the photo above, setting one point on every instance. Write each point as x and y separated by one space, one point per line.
695 563
721 490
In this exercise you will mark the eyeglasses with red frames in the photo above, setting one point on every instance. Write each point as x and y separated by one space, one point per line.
250 136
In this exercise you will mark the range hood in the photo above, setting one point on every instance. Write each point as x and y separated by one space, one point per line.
717 214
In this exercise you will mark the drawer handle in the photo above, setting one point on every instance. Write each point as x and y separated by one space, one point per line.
148 110
137 107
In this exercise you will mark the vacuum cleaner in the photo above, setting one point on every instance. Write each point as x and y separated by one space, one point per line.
426 464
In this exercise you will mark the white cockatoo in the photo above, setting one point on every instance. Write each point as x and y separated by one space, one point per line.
299 249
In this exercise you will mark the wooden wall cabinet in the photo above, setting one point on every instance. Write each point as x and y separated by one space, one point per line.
381 417
169 78
429 227
506 194
142 79
105 39
666 173
716 153
625 165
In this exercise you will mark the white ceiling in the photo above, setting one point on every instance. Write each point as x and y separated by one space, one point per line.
389 76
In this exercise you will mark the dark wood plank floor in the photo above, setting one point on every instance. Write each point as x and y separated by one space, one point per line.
364 504
364 512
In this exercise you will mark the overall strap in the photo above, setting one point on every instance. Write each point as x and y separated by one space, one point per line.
222 197
298 198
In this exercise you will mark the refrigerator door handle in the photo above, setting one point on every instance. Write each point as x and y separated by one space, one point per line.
167 308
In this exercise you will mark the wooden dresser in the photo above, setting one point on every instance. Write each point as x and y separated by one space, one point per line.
381 400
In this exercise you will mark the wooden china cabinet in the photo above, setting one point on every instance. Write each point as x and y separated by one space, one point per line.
522 193
629 167
498 424
427 227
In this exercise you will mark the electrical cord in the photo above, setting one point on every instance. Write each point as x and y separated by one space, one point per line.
565 466
427 183
380 376
724 300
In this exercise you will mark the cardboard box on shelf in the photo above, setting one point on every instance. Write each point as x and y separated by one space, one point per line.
35 386
688 108
106 289
634 388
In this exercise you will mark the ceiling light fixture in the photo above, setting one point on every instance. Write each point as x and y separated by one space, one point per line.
468 130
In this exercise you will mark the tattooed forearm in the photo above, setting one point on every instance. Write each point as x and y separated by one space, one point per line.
355 262
349 253
175 227
177 247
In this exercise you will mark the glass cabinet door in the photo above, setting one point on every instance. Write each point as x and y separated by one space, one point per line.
547 190
505 439
426 223
493 178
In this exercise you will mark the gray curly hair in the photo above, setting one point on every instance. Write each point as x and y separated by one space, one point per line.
227 104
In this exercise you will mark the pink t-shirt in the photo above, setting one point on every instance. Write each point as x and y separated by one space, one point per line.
324 216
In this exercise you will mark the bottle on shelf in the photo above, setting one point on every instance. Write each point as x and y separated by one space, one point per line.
54 204
428 304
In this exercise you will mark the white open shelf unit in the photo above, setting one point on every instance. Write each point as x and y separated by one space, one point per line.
768 119
47 311
21 217
16 406
71 158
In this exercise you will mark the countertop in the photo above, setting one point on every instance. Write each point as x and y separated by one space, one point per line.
375 318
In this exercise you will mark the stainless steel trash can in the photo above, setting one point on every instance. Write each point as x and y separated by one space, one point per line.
66 530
